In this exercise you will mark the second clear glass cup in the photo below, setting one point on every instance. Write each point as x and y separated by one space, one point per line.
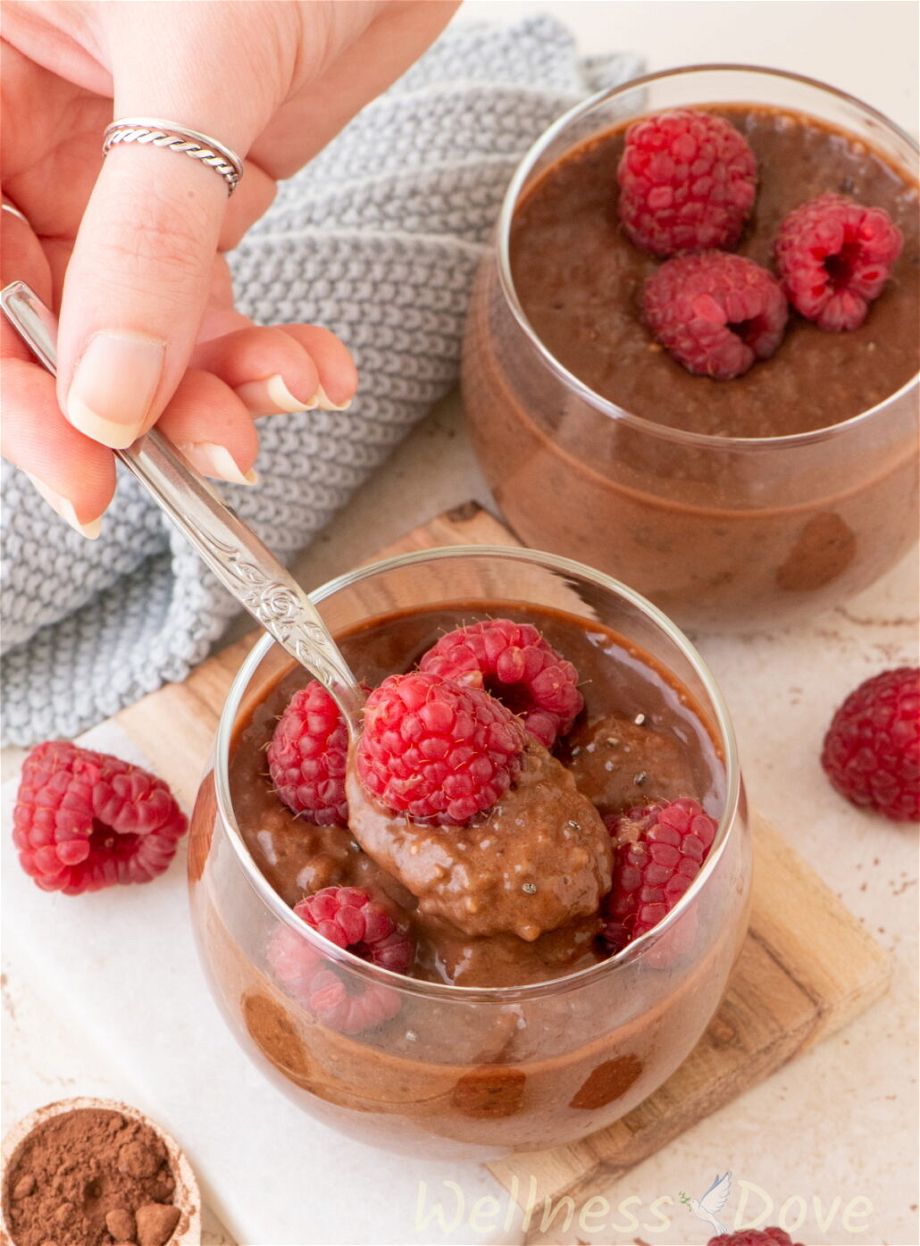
723 533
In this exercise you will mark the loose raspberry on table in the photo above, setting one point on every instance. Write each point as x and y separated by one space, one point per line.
86 820
349 918
872 748
514 663
658 851
687 183
834 256
715 313
437 750
771 1236
307 757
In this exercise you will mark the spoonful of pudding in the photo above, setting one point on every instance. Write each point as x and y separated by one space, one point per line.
244 565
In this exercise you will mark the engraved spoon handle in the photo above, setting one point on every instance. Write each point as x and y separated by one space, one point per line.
242 563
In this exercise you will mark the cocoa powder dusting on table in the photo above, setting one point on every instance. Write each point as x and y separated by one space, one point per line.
90 1177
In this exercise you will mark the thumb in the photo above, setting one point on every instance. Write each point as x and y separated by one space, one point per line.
140 275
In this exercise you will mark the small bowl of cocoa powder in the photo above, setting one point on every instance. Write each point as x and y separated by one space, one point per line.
95 1172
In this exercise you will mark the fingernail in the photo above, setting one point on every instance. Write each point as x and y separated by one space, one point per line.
325 403
113 387
65 508
272 395
213 460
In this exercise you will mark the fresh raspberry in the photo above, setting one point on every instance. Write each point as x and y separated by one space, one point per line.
513 662
872 748
86 820
437 750
772 1236
349 1006
687 183
715 313
349 918
659 851
307 757
834 256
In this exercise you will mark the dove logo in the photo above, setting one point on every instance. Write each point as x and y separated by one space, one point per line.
853 1216
708 1207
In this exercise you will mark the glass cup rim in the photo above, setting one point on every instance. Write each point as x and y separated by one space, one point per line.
603 405
443 990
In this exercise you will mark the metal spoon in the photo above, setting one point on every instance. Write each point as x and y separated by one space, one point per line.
246 567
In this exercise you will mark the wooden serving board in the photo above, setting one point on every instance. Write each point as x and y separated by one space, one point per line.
807 968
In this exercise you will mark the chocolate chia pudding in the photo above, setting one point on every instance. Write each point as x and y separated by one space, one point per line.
503 1028
725 502
416 867
579 279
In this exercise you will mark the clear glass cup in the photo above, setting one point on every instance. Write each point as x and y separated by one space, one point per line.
722 533
460 1069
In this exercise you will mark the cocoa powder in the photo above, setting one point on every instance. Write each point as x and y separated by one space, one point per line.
90 1177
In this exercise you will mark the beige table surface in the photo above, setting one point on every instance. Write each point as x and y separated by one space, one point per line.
840 1125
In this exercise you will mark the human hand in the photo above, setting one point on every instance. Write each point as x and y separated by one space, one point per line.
127 250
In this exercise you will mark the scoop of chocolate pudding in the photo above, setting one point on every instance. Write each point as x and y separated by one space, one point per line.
620 763
533 863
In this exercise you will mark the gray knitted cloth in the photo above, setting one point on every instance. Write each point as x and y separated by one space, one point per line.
378 239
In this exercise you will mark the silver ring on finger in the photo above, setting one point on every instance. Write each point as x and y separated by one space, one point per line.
155 132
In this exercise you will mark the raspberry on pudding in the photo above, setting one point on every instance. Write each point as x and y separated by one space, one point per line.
307 756
659 851
835 257
349 918
716 314
687 182
437 750
513 661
